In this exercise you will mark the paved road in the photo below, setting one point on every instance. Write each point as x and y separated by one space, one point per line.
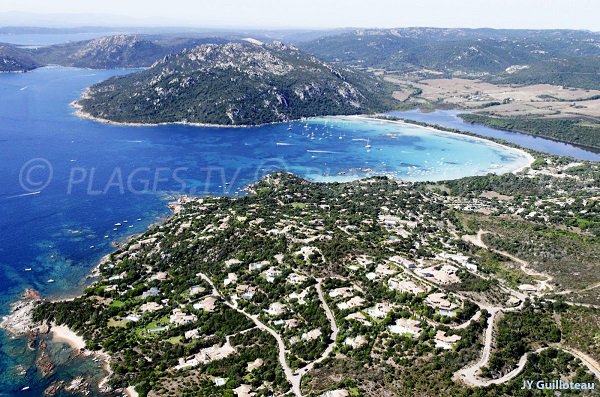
469 373
334 332
289 374
474 381
477 240
294 378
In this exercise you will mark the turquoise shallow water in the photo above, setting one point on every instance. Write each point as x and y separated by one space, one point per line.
70 187
450 119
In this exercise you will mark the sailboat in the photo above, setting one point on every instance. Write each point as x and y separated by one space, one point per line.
368 145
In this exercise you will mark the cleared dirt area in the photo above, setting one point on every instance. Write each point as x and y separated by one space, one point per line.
504 100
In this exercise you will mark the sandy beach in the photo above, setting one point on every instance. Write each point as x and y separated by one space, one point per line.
84 115
131 392
528 158
62 334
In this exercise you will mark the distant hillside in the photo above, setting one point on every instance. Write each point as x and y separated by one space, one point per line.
119 51
581 72
577 131
243 83
513 55
13 59
563 57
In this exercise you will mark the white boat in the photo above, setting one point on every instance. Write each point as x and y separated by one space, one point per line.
25 388
28 269
117 224
50 281
368 145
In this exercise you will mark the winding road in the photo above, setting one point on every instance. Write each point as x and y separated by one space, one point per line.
477 240
469 374
334 333
294 378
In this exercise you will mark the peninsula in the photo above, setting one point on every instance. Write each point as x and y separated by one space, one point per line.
238 83
308 288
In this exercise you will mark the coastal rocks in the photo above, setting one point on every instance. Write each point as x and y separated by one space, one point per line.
54 388
79 385
177 206
44 364
31 294
32 337
105 388
20 321
34 334
20 370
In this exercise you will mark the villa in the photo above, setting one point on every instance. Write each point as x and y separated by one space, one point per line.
406 326
444 341
180 318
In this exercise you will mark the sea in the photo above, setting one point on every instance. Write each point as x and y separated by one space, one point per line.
71 187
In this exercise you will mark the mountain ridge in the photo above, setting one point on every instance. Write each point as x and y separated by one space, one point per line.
238 83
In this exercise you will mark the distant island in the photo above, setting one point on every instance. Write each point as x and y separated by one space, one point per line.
237 83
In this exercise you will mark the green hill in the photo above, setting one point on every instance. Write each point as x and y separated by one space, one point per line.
241 83
566 57
13 59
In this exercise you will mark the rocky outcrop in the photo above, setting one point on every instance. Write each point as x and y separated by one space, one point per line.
54 388
20 321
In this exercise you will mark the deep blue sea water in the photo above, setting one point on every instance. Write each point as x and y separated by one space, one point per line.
65 183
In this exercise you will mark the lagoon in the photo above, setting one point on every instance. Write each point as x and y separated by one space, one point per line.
450 119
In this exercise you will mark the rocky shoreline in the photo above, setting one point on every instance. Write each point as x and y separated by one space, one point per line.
20 321
82 114
20 324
